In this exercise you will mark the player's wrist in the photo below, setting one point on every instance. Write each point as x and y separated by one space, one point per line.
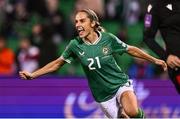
156 61
30 76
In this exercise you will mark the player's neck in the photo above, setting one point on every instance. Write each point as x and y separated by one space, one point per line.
92 37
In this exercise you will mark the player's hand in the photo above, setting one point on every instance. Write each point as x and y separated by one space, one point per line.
173 61
25 75
161 63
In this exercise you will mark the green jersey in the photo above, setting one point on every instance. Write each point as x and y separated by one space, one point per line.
103 74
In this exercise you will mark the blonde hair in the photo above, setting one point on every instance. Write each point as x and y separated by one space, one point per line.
93 17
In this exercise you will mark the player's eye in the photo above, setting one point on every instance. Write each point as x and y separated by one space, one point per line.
82 20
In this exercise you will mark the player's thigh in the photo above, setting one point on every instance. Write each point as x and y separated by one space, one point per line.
129 102
127 98
110 108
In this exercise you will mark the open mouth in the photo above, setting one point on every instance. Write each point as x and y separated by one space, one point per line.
80 30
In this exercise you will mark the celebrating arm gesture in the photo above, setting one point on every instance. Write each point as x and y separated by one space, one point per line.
50 67
136 52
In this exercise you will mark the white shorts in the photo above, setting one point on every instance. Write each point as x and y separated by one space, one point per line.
112 106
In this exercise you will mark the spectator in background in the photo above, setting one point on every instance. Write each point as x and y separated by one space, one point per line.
2 13
27 56
18 23
55 19
6 58
112 11
37 7
18 20
36 36
141 69
42 37
126 10
96 5
5 9
48 48
164 15
131 11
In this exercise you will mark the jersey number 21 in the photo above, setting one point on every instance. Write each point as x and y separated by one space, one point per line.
92 61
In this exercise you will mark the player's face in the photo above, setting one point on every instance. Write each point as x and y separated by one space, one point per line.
84 25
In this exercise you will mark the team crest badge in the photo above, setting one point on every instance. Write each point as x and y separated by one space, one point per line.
105 50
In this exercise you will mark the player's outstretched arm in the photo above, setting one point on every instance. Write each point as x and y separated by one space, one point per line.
50 67
136 52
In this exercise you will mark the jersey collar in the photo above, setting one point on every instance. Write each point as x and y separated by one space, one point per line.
97 41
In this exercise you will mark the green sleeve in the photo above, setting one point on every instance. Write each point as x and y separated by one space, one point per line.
68 54
118 46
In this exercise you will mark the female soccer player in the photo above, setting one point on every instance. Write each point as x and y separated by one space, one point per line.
111 88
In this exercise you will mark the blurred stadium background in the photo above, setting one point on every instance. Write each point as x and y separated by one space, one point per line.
36 32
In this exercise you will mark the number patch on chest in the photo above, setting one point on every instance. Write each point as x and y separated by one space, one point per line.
92 61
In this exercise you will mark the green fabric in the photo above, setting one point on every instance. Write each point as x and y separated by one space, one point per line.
140 114
103 74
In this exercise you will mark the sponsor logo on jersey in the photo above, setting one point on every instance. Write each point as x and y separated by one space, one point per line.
81 53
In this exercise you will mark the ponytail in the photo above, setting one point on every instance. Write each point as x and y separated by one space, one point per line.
100 28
